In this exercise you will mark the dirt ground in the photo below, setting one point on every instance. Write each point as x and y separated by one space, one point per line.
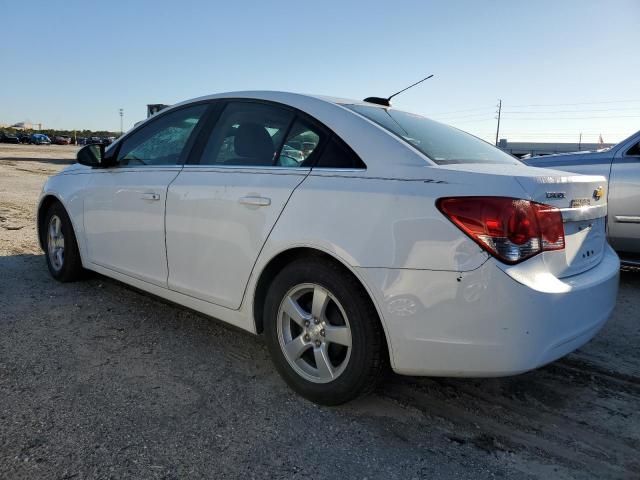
98 380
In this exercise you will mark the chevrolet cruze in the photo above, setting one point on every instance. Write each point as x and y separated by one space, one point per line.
351 234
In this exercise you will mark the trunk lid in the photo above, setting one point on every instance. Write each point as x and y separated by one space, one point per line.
582 200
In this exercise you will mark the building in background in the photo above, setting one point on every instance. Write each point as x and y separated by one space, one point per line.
25 126
531 149
154 108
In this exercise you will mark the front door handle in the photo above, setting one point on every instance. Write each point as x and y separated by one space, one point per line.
627 218
150 196
255 201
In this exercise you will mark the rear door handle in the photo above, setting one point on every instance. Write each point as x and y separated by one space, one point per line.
150 196
256 201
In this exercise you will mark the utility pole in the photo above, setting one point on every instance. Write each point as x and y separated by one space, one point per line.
499 112
580 142
121 111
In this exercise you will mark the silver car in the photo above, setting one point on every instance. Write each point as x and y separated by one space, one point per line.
620 164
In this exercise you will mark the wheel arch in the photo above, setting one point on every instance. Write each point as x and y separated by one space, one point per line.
285 257
45 203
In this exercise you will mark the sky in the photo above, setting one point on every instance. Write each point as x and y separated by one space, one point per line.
560 67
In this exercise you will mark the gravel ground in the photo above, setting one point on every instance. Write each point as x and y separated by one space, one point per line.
98 380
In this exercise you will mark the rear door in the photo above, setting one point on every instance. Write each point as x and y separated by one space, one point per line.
221 209
125 205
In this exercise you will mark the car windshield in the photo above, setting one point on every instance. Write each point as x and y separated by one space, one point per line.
441 143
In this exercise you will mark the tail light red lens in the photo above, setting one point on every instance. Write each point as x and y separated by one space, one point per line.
510 229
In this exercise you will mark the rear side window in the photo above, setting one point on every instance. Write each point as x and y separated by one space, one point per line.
302 141
247 134
338 155
441 143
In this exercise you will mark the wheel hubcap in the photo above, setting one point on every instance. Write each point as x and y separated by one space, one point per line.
55 243
314 333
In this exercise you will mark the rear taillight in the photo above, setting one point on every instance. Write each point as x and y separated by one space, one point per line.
510 229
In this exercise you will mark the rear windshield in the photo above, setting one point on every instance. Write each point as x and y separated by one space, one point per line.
441 143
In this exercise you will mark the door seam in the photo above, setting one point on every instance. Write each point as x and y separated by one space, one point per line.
266 239
164 217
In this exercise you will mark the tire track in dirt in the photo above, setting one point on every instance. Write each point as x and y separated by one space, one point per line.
537 415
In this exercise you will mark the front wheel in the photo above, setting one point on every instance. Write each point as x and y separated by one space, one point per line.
61 248
323 333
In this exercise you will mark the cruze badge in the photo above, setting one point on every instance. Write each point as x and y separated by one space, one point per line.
555 194
598 193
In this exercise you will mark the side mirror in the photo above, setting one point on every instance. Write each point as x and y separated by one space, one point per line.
93 156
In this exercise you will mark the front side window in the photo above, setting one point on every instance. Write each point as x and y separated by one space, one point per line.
441 143
163 141
247 134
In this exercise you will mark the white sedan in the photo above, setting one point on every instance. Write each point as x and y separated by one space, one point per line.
389 239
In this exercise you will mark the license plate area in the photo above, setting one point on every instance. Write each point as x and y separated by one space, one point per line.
584 244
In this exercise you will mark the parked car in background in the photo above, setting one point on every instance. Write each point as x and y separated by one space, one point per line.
396 240
94 141
62 140
39 139
620 164
25 138
9 138
108 140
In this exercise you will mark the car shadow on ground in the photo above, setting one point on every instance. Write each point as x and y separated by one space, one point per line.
128 346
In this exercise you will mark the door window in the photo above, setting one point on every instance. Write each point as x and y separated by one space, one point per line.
248 134
338 155
163 141
634 151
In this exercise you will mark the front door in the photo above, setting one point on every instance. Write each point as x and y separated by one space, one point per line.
220 211
125 205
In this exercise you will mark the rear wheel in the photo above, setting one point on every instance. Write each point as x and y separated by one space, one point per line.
61 248
323 333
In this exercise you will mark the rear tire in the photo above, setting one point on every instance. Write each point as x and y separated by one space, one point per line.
60 245
323 333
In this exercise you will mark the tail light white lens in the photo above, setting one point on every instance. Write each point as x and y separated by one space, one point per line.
510 229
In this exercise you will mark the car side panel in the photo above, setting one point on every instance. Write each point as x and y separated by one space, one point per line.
69 187
376 223
214 233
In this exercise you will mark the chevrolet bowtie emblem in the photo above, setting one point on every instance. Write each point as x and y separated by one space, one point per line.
598 193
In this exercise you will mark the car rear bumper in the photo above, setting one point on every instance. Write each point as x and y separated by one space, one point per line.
484 322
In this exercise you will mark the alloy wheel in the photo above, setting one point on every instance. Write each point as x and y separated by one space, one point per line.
314 333
55 243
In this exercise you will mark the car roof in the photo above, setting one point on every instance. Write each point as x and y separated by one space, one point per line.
279 96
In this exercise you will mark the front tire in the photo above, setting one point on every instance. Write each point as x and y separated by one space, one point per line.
61 248
323 332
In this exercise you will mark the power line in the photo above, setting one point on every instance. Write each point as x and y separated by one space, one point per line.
602 117
486 119
499 112
466 116
459 111
576 111
579 103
